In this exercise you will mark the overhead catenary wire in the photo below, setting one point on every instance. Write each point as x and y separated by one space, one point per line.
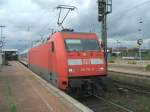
127 11
123 14
53 9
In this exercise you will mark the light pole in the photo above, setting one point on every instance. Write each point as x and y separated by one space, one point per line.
140 41
118 47
29 36
1 39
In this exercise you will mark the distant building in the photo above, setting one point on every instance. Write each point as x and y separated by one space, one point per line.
130 52
2 59
10 54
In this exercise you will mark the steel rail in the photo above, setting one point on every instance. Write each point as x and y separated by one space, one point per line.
134 88
115 104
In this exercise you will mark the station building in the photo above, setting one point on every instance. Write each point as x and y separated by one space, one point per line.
8 55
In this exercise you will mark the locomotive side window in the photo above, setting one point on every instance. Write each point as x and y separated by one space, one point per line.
82 45
52 47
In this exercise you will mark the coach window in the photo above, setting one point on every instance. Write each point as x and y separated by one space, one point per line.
52 47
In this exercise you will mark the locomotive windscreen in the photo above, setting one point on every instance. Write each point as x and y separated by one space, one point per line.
82 45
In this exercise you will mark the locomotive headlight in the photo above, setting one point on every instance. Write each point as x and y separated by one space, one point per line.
70 70
101 68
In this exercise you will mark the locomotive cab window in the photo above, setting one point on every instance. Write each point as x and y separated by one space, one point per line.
82 45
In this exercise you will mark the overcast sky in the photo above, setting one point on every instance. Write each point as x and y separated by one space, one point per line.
28 20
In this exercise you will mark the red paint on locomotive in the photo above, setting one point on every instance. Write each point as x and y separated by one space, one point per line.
57 60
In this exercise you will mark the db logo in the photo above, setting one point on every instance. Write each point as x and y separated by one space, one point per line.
86 61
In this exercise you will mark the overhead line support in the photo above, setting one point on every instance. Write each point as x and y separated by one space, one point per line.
104 8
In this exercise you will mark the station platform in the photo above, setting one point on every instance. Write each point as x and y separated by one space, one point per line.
24 62
130 74
138 70
23 91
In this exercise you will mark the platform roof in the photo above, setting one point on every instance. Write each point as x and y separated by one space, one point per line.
15 50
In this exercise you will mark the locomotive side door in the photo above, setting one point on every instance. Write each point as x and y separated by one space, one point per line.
52 66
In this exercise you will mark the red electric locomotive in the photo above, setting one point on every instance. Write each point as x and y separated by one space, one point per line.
69 60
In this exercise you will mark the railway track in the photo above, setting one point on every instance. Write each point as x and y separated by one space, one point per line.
100 104
137 81
120 107
133 88
103 104
132 82
134 75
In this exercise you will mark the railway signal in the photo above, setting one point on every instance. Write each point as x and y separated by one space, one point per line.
104 8
140 42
